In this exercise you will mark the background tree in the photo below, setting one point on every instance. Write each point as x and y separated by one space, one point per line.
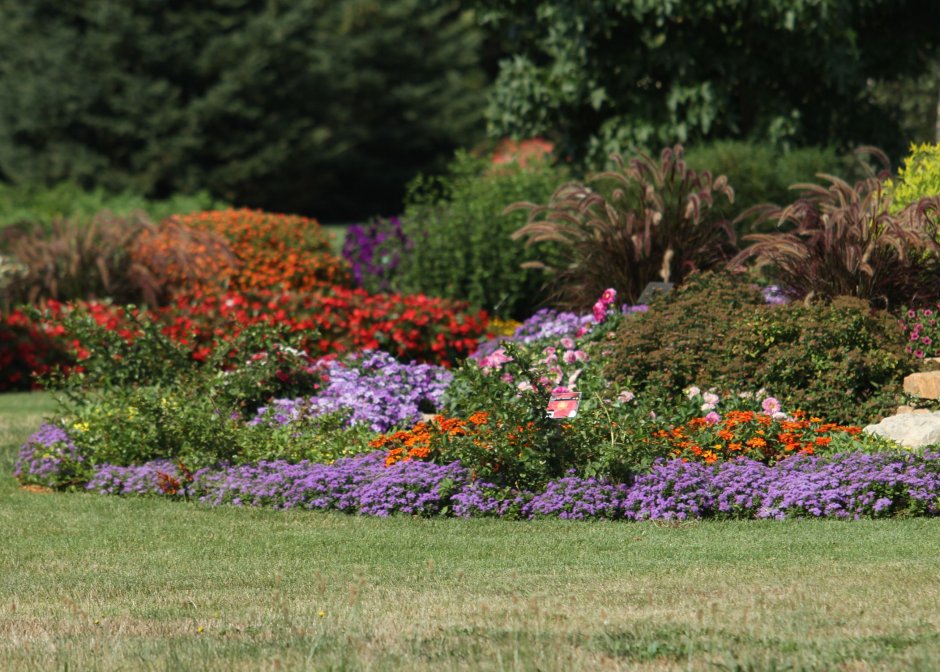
326 107
605 75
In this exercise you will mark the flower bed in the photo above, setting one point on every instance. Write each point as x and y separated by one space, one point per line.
848 485
337 320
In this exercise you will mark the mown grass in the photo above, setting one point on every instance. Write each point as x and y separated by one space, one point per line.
99 583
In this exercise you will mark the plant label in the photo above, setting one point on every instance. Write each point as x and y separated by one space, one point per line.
563 405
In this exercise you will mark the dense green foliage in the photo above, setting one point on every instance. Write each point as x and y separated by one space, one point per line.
841 360
41 206
762 173
918 177
308 106
608 75
461 236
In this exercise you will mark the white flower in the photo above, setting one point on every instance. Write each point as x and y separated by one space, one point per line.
692 392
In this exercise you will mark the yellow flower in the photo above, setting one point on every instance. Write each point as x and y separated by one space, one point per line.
80 426
321 614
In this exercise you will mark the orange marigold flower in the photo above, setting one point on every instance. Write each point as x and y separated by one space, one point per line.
755 442
725 435
479 418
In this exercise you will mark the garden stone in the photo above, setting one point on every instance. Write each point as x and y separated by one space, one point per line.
925 384
901 410
909 429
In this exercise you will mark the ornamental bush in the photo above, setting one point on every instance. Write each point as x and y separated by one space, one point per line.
763 173
841 360
918 178
272 251
461 235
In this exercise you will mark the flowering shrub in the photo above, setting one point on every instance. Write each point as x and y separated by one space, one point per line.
417 328
273 251
766 437
372 387
847 485
336 321
921 332
27 350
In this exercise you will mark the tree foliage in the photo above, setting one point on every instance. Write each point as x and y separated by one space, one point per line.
608 75
301 105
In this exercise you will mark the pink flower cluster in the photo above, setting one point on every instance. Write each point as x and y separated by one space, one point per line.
603 305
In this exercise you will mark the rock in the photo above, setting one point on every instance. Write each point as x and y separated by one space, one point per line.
909 429
925 384
910 409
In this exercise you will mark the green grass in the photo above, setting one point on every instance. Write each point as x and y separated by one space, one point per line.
104 583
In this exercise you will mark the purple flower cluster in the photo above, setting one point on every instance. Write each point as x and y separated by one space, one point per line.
374 251
546 323
49 457
849 485
774 295
373 387
361 484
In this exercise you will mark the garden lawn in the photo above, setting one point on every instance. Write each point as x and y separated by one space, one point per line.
102 583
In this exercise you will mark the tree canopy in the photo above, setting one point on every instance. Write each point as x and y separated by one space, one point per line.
325 107
604 75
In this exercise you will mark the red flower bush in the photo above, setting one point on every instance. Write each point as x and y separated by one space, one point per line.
331 321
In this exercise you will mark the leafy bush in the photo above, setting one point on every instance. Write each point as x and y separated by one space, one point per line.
763 173
41 206
461 235
846 241
80 260
643 221
918 178
842 360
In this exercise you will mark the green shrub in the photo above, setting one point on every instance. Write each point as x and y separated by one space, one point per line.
461 236
841 360
626 227
66 200
763 173
918 178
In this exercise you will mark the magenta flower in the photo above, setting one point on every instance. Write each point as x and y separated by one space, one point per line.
609 296
600 312
713 418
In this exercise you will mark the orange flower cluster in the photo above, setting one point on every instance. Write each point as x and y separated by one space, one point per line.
418 442
752 435
241 250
